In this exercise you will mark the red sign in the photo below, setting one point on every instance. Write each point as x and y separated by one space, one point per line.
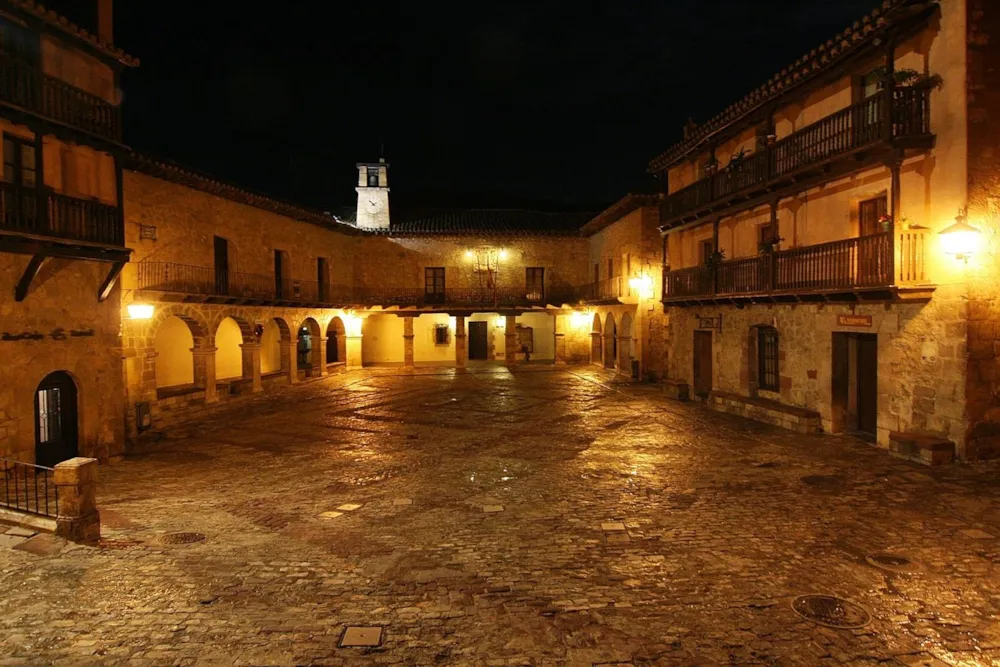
854 320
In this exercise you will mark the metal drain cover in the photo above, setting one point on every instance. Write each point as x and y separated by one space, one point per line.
892 562
181 538
831 611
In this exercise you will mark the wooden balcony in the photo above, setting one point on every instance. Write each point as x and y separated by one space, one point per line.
861 128
889 265
605 291
24 87
39 212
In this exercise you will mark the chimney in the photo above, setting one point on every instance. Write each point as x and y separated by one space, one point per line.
105 23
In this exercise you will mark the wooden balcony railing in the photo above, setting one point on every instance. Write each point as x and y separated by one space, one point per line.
608 289
849 264
41 212
25 86
843 132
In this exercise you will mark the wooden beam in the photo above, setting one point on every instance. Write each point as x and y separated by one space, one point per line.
30 271
109 282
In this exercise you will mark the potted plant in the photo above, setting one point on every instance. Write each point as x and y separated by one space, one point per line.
886 221
715 259
767 246
711 166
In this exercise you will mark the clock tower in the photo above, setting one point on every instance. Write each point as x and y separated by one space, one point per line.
373 195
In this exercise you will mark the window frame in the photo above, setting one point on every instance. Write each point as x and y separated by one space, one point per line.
768 371
434 283
534 283
880 204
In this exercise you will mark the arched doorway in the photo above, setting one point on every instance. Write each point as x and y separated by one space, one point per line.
596 348
56 421
307 348
174 360
610 342
275 332
228 354
336 342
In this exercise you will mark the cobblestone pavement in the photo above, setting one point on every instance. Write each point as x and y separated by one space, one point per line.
633 530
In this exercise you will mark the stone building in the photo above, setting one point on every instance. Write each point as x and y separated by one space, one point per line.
62 241
811 271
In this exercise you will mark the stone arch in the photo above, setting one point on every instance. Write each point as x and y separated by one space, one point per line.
229 336
596 344
626 344
610 341
196 323
309 350
274 345
173 339
244 323
336 341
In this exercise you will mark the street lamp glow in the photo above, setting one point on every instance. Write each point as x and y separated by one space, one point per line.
960 238
140 310
503 253
642 286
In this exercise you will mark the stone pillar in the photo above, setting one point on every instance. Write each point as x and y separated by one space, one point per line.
461 342
290 359
408 342
251 365
76 482
204 371
510 341
319 354
559 325
354 351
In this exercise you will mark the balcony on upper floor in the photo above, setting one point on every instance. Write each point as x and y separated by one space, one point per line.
808 155
42 215
888 265
25 88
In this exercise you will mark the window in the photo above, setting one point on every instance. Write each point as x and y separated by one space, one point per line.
707 249
281 274
597 273
767 358
441 334
434 284
870 84
19 162
869 213
372 176
611 269
534 283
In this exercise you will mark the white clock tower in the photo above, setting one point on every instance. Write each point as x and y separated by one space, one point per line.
373 195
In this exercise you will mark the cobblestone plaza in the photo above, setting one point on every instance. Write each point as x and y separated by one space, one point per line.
544 516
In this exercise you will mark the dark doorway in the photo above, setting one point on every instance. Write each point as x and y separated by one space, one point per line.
702 363
332 357
279 274
56 437
478 340
855 383
867 383
221 265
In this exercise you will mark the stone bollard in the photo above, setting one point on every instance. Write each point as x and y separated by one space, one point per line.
76 482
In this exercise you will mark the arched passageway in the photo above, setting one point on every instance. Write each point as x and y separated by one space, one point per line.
610 342
310 355
275 331
596 346
228 355
56 419
174 360
336 342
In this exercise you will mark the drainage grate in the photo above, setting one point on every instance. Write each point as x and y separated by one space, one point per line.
892 562
831 611
181 538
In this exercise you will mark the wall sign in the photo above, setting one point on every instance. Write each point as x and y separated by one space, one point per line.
854 320
710 322
56 334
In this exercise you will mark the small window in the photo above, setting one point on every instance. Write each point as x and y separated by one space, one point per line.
870 213
372 177
767 358
534 283
707 249
19 162
434 280
441 334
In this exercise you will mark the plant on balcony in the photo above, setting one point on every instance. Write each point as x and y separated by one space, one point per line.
711 166
908 78
886 221
715 259
768 246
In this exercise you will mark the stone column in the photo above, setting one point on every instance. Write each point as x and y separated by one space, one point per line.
461 342
559 325
319 353
290 359
510 341
204 371
76 482
408 342
354 351
251 366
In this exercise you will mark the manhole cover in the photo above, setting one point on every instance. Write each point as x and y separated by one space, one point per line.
831 611
892 562
181 538
823 481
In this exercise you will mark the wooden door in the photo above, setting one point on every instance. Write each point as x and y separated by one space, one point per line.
56 425
478 340
869 213
221 265
867 383
702 363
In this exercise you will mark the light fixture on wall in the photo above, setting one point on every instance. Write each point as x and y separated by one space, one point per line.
140 310
502 254
642 286
960 238
580 318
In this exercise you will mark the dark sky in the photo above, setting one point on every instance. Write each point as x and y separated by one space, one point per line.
477 103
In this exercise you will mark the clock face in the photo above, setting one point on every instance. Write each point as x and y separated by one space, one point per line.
373 203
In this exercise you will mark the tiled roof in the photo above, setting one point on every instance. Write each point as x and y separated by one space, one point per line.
64 24
619 210
169 171
496 222
869 30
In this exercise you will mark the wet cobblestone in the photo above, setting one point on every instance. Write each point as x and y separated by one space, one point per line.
631 530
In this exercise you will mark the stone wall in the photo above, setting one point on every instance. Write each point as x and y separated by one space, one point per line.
62 299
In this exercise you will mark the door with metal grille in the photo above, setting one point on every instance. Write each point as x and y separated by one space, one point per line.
55 420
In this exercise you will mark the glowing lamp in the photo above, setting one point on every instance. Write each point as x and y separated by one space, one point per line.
502 254
140 310
580 318
960 238
501 323
642 286
469 254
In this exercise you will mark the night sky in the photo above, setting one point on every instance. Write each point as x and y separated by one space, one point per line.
477 105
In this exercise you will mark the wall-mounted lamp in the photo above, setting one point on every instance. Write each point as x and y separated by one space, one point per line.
502 254
960 238
140 310
469 254
501 322
642 286
580 318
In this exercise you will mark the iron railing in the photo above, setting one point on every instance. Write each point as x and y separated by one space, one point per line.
46 213
25 86
877 260
601 290
29 488
843 132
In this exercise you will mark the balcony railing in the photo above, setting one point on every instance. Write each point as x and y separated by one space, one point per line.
841 133
609 289
25 86
846 265
44 213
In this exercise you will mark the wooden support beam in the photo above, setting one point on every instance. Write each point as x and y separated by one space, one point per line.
30 271
109 282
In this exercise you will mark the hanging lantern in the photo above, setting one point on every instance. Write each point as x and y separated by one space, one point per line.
960 238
